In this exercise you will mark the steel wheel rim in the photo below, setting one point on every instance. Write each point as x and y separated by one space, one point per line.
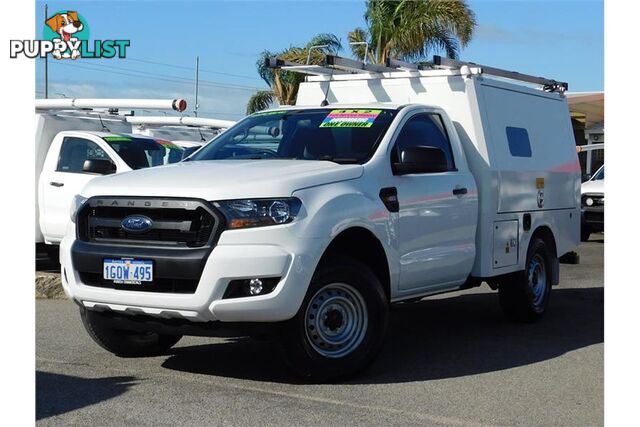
537 275
336 320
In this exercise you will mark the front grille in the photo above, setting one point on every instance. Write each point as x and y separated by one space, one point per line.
176 222
175 286
181 236
598 200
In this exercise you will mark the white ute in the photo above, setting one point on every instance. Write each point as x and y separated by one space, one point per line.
74 133
592 205
382 184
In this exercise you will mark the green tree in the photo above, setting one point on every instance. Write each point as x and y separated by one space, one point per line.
411 29
284 85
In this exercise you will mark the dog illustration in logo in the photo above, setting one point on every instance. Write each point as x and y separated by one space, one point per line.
65 24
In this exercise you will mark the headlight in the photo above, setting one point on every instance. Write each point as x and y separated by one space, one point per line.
76 204
258 212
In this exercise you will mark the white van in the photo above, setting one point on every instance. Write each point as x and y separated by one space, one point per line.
381 185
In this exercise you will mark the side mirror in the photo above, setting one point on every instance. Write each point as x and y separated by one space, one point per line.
99 166
586 177
421 159
189 151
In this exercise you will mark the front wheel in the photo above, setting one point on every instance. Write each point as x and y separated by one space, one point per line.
585 233
340 326
53 253
525 297
125 343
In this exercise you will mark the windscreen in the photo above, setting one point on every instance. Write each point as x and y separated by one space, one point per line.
599 175
139 153
341 136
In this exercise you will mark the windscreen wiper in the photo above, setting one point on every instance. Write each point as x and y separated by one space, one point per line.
339 160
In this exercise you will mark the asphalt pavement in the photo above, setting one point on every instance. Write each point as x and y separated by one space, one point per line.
447 360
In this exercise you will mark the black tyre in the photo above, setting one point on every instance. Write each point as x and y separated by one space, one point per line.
585 233
53 253
525 296
125 343
341 324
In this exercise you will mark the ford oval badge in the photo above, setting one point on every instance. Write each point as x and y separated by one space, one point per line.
136 224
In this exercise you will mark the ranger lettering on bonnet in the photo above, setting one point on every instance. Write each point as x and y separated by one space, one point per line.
66 24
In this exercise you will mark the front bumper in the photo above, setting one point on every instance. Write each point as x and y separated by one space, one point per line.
593 217
293 262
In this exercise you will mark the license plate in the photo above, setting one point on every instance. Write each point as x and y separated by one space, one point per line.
128 271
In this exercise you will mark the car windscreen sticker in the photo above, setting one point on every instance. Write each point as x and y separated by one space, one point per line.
350 119
268 113
116 138
167 144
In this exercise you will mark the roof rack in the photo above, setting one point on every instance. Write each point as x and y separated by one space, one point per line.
549 85
179 121
354 66
107 103
335 65
331 65
314 70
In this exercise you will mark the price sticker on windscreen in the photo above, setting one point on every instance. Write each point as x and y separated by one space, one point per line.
350 119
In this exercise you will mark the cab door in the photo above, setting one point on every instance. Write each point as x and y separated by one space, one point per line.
437 210
61 179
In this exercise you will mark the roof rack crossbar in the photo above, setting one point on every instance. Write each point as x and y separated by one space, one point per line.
316 70
354 66
549 85
405 66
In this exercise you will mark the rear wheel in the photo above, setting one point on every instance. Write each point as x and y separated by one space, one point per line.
125 343
340 326
526 296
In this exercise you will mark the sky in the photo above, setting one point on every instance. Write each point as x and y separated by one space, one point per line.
563 40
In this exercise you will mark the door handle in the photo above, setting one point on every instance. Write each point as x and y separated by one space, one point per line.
459 191
56 184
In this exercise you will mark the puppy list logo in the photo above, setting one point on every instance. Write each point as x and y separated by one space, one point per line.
66 36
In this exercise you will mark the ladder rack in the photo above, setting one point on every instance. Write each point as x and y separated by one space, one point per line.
549 85
336 65
314 70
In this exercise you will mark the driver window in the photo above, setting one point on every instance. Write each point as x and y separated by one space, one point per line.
75 151
425 130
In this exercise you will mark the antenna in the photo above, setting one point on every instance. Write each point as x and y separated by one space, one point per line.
195 111
104 128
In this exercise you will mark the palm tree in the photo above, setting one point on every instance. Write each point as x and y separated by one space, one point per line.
410 29
284 85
